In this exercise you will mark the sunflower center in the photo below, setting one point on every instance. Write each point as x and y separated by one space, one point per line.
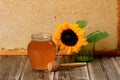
69 38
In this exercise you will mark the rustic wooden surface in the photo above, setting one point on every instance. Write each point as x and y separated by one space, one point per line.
19 68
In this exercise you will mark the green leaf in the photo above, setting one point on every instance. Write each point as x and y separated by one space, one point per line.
96 36
82 23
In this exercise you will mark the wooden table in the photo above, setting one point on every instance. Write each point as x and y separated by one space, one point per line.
19 68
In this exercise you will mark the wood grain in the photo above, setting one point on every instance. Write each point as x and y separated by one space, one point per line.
118 60
11 67
111 68
70 73
31 74
76 73
104 68
96 71
19 68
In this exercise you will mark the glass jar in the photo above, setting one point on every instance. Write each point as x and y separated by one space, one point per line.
86 53
41 50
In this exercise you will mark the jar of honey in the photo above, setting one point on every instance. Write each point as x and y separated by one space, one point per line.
41 50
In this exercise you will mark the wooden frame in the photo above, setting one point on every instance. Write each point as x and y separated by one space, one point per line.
114 52
117 51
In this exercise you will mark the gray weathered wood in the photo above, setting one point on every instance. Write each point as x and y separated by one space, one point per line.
31 74
11 67
118 60
104 68
111 68
64 58
96 71
76 73
19 68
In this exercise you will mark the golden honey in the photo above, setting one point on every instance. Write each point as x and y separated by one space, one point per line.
41 50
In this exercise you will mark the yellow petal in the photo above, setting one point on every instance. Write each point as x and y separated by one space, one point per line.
69 50
62 47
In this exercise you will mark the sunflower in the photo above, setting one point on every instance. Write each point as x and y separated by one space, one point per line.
69 37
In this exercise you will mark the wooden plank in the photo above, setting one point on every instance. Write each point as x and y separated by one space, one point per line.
118 60
19 68
95 70
76 73
105 68
118 27
64 58
111 68
11 67
31 74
